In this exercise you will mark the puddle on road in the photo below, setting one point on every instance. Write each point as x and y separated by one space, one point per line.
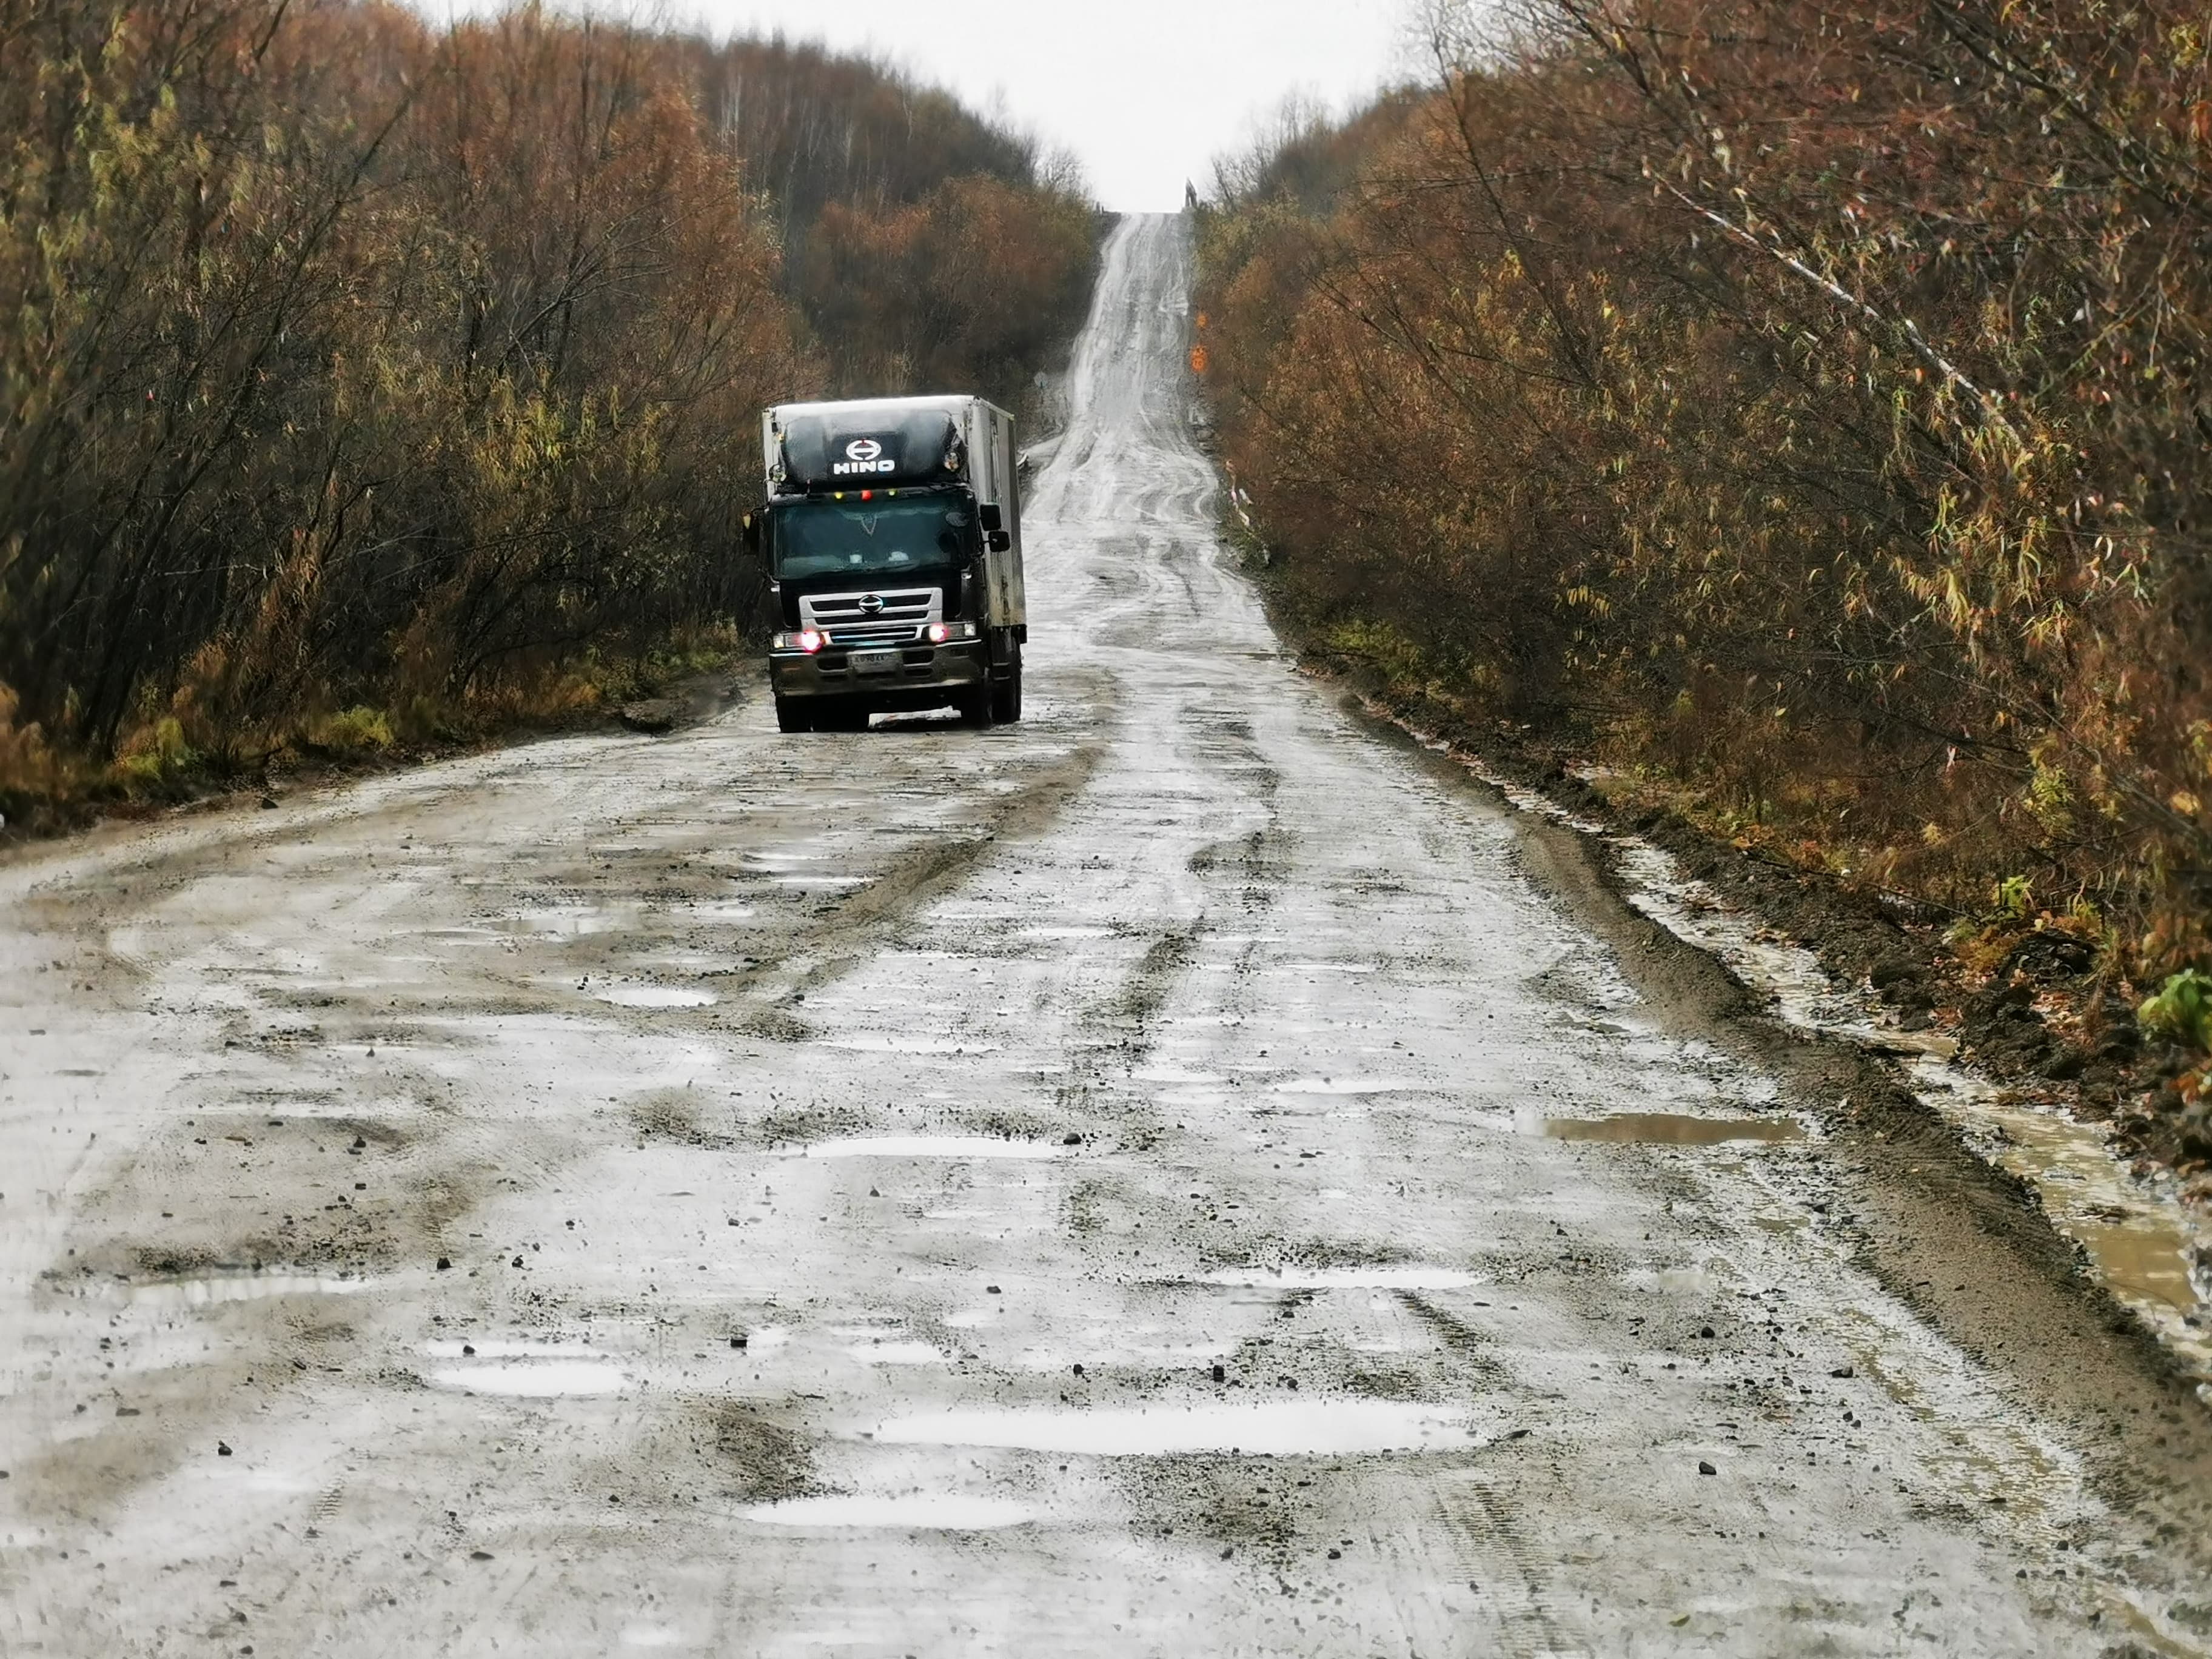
654 996
208 1289
915 1511
1671 1128
1286 1428
954 1146
1346 1085
1409 1277
899 1353
537 1379
910 1045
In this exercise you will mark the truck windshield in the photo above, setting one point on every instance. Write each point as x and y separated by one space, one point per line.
870 538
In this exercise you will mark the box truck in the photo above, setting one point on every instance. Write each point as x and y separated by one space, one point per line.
893 535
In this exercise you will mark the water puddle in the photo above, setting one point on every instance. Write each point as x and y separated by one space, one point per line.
899 1353
915 1511
910 1045
533 1379
1409 1277
210 1289
573 922
1344 1085
2139 1264
1671 1128
655 996
955 1147
1286 1428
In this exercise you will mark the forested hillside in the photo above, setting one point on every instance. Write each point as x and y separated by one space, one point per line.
1801 409
361 375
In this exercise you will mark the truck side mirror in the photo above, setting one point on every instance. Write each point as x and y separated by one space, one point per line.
991 520
750 532
998 541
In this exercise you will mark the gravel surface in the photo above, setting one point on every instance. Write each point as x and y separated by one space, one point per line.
1184 1174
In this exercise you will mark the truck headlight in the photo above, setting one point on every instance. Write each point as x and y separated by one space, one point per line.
941 633
808 640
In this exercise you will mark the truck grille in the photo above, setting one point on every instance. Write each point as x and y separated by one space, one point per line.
879 615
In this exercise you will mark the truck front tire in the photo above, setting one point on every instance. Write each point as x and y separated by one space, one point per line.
792 714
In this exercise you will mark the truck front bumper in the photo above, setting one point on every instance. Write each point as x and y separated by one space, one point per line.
925 676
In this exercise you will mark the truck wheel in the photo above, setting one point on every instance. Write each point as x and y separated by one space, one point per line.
849 717
792 714
976 708
1006 695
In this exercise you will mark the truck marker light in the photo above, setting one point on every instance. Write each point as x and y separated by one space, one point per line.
867 494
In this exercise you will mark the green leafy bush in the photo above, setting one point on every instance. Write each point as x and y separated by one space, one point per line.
2181 1010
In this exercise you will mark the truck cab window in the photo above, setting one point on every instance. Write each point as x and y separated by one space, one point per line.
829 537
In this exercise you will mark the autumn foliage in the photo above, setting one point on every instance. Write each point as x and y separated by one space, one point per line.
359 372
1806 405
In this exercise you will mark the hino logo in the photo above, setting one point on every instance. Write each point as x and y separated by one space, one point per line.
862 455
871 603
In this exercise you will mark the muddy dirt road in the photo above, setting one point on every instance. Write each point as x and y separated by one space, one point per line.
1183 1176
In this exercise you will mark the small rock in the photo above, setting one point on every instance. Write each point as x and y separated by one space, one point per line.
1221 1373
1079 1368
739 1341
1704 1468
1336 1555
654 716
1071 1138
1707 1331
222 1448
517 1262
1842 1370
1227 1552
468 1349
479 1555
872 1192
992 1290
444 1262
269 802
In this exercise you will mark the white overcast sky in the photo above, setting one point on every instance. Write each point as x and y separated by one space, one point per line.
1147 92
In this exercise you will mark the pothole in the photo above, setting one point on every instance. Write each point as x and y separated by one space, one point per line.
538 1371
1405 1278
955 1147
1286 1428
913 1511
244 1285
655 996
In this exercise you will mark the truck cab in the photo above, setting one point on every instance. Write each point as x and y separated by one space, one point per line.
891 533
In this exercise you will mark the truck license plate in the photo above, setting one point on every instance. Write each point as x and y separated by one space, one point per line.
875 662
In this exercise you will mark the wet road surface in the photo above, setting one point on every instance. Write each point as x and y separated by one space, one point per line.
1165 1178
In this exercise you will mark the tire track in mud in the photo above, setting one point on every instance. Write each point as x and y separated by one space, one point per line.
848 932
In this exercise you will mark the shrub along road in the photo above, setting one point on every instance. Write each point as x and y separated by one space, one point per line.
1180 1175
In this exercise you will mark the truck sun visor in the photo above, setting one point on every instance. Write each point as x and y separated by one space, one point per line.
863 447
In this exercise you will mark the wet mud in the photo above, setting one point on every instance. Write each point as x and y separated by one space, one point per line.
1186 1173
